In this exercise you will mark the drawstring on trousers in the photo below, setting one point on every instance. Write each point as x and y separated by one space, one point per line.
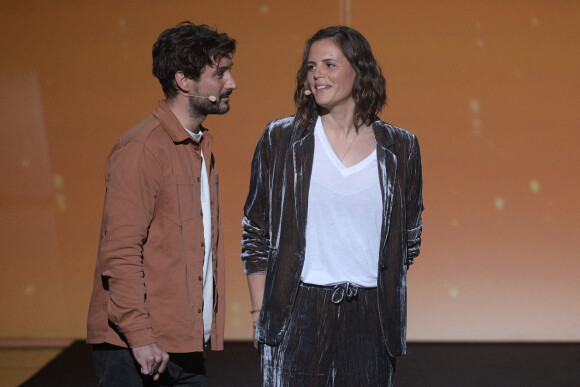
344 290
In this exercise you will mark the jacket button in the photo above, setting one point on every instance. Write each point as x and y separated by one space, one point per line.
198 179
202 244
196 147
201 212
200 278
199 310
382 267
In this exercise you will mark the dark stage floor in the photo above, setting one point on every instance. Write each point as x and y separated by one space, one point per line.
426 364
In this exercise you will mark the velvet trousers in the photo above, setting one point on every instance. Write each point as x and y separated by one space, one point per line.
333 338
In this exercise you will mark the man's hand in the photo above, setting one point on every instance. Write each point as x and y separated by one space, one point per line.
152 359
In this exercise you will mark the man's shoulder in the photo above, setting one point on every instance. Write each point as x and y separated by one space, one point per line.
149 129
147 134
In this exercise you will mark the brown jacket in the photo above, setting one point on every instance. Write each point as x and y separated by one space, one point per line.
148 278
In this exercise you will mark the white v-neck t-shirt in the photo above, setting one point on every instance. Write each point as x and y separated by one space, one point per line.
343 227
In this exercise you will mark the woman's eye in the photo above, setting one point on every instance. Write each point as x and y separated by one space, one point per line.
310 67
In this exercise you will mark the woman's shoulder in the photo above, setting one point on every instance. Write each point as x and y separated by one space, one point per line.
395 132
281 124
279 131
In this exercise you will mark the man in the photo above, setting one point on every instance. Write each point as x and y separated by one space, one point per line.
158 295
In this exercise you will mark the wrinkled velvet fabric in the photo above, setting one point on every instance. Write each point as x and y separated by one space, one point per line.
275 213
334 344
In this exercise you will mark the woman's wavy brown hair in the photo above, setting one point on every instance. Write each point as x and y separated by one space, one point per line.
369 88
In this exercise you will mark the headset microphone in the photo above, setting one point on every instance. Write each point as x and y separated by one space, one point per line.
307 92
212 98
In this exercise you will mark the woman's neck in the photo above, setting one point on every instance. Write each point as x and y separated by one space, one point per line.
338 124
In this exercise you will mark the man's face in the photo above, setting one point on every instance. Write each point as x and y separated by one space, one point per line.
215 80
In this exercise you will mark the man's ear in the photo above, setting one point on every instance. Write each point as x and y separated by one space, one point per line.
182 81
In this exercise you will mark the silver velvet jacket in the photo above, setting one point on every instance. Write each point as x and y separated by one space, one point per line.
275 214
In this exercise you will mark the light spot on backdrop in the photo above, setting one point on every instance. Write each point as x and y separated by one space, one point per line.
475 108
235 320
534 186
58 184
29 290
454 292
123 24
60 202
499 203
476 127
474 105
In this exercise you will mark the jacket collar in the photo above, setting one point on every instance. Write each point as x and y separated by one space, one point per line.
172 125
298 135
383 135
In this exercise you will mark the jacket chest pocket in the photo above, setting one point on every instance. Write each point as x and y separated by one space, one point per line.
181 198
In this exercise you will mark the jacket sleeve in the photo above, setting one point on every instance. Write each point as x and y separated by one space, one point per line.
414 201
256 221
133 179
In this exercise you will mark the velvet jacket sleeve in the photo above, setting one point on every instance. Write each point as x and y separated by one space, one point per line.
256 221
414 201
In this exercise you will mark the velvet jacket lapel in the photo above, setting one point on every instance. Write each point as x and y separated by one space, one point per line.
302 158
387 168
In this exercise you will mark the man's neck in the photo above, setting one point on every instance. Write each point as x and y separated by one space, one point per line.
180 107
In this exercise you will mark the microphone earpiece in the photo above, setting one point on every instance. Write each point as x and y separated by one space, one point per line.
307 92
212 98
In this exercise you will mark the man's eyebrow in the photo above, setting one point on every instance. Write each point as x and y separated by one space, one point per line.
224 68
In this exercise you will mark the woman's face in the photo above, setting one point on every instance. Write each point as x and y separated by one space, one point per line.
330 76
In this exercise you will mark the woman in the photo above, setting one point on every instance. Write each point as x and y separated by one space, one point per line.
331 224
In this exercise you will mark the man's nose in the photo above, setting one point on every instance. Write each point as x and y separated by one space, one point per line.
231 83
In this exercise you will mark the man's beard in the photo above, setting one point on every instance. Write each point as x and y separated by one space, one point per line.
201 107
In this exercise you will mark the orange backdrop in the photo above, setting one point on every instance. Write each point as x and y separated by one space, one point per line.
490 88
